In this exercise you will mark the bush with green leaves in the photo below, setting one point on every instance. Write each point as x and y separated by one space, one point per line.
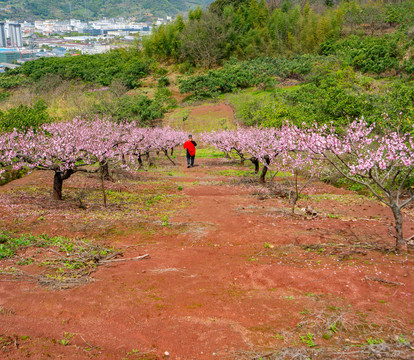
367 54
236 75
402 13
163 81
24 117
95 69
9 175
138 108
244 29
335 96
11 79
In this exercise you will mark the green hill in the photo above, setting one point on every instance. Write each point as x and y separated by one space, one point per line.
93 9
272 64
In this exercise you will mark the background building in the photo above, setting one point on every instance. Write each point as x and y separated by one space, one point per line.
3 42
11 56
15 33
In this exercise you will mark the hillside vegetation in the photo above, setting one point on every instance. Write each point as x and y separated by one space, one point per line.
290 238
293 62
94 9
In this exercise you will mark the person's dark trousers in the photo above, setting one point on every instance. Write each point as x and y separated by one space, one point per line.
190 160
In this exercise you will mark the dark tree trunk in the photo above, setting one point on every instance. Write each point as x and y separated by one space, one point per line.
295 195
57 186
105 171
103 184
172 151
58 182
264 170
400 242
150 163
242 159
295 198
256 164
139 160
166 154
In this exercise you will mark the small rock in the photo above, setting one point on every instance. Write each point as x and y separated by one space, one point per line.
167 354
311 211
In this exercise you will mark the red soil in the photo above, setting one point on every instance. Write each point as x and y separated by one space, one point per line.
215 288
215 111
201 117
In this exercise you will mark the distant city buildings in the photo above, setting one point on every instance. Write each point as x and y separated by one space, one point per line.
44 38
11 56
15 34
9 52
3 42
13 31
94 28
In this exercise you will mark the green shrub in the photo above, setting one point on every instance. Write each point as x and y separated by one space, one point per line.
95 69
367 54
11 79
240 75
4 95
137 108
186 68
24 117
10 175
331 95
163 81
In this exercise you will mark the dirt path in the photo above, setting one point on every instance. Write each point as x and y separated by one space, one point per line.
229 274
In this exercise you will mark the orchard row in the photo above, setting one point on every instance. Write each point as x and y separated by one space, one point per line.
383 164
77 145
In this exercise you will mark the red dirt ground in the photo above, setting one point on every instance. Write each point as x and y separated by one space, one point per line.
232 280
203 117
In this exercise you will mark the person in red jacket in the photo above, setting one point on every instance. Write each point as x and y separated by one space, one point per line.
190 145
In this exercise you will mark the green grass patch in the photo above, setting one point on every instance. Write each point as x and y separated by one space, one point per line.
10 244
209 153
65 262
281 174
147 201
346 199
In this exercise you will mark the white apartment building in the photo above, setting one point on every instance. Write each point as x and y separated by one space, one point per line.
15 33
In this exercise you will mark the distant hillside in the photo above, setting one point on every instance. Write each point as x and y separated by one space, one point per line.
93 9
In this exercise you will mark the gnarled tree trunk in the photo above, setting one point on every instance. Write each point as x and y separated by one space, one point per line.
256 164
58 179
103 183
241 155
264 170
166 154
400 242
105 171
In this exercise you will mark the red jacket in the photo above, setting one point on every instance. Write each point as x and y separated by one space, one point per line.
190 146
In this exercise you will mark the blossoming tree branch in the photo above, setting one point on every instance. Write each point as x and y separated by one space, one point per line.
383 164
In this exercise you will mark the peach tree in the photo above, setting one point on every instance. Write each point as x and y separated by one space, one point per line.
383 164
